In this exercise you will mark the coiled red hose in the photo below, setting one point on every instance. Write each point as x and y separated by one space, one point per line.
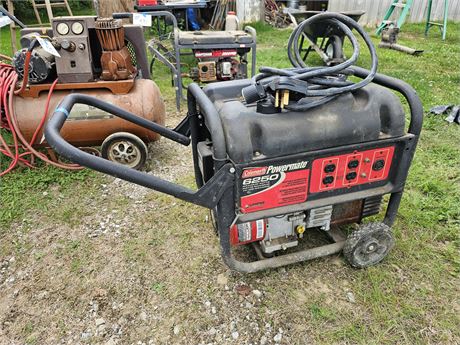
20 149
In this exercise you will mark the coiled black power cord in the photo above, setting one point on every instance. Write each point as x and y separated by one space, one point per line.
312 86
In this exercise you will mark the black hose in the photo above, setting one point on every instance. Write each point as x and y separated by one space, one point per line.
314 85
12 17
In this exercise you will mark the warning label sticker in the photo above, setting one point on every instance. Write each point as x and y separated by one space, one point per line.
273 186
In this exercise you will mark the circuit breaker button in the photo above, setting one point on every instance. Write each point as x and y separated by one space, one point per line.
328 180
329 168
353 164
351 176
378 165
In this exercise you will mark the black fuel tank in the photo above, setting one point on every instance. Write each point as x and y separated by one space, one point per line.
370 113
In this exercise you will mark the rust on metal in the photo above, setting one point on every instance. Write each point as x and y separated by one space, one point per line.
347 212
115 60
120 87
89 126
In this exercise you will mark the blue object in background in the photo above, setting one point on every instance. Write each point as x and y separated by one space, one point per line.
192 20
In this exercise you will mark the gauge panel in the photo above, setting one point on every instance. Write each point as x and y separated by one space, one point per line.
77 28
62 29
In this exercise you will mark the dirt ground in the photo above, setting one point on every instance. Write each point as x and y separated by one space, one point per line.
115 263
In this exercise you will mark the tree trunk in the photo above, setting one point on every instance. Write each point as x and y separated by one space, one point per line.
105 8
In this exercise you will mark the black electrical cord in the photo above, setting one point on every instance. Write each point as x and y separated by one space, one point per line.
13 18
315 85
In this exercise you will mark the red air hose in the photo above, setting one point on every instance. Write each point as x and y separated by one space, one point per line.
25 78
21 148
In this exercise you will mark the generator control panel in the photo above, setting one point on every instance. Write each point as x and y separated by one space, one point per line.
350 169
72 38
282 183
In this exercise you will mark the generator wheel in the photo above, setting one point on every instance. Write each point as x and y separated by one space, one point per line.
126 149
368 245
333 48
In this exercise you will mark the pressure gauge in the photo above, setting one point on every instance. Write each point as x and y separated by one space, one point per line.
62 29
77 28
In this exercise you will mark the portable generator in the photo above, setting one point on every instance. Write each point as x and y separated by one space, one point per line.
290 152
201 56
219 64
99 57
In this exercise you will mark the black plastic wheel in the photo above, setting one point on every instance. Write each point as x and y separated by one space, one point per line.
368 245
268 255
334 48
126 149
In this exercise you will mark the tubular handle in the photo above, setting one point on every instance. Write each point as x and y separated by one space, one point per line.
196 96
128 15
250 30
207 196
69 101
415 105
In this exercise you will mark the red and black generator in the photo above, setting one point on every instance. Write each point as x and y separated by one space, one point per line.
289 152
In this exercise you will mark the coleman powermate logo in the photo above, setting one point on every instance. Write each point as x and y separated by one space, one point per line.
259 171
252 172
287 167
273 186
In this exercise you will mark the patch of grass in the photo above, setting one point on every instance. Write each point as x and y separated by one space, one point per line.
31 337
321 313
351 332
28 327
39 255
31 340
76 253
27 190
70 215
157 287
135 250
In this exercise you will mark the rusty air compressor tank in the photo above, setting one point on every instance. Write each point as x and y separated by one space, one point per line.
144 100
89 126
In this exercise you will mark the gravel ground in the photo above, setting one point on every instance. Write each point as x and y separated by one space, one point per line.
114 263
121 273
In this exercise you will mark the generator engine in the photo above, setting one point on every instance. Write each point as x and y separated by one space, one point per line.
219 65
277 178
282 232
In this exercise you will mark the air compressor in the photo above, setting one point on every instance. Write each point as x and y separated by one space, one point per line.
289 153
99 57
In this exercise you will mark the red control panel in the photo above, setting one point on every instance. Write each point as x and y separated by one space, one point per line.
351 169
